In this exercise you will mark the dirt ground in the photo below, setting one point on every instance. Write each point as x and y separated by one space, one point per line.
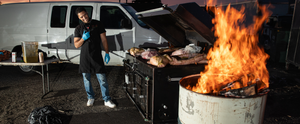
284 97
20 94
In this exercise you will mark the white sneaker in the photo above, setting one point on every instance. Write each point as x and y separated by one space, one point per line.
90 102
110 104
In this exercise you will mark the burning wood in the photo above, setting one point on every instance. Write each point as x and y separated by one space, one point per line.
242 92
236 89
235 54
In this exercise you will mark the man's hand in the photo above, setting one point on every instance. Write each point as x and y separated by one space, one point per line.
85 35
107 58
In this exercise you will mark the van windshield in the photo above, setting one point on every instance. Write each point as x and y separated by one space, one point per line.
132 12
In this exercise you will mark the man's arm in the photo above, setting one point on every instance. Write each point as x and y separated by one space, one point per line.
78 42
104 42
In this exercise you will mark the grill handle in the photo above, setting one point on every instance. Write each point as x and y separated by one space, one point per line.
174 79
133 65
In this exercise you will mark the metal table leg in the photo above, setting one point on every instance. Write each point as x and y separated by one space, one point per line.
48 77
43 80
48 82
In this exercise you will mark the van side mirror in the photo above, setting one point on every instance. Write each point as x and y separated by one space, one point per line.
126 23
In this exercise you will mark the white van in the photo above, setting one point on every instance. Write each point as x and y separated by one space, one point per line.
52 24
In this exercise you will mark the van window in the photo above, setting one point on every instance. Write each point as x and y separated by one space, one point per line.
74 21
111 17
58 16
132 12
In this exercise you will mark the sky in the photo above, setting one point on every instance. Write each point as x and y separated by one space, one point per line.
168 2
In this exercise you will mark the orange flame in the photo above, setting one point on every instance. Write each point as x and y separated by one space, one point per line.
236 55
210 3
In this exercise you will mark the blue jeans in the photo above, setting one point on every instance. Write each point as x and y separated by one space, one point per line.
103 85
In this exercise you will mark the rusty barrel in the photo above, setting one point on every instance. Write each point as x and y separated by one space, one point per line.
196 108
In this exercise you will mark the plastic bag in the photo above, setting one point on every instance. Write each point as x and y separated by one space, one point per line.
191 48
189 51
44 115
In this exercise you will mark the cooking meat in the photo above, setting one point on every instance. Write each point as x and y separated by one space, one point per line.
178 52
160 60
149 53
188 55
200 58
136 51
203 61
166 50
189 49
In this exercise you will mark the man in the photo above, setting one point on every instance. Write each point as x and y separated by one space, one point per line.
88 36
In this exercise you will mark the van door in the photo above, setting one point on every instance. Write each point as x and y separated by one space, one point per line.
57 29
73 53
119 38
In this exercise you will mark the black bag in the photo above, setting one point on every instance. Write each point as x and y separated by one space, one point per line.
45 115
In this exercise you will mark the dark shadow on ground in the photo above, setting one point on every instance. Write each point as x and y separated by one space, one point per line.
63 92
66 118
4 88
130 116
101 102
125 102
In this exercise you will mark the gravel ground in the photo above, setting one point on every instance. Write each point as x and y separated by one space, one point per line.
20 94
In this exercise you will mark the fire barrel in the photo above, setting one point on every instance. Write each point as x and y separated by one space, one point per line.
196 108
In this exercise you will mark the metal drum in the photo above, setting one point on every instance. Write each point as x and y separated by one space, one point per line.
196 108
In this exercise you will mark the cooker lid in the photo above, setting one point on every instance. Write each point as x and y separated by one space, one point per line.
180 24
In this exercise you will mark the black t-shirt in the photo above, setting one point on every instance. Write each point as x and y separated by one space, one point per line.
91 60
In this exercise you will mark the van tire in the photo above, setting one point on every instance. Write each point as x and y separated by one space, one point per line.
26 70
